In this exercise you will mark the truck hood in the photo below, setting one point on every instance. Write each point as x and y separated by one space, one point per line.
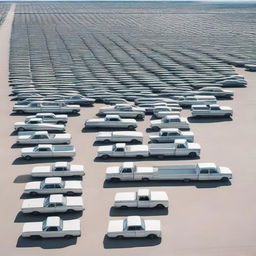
74 201
138 148
32 227
39 169
71 225
105 148
185 133
19 123
27 150
152 225
33 203
62 136
33 185
194 146
115 226
73 184
24 137
226 108
225 171
76 168
153 122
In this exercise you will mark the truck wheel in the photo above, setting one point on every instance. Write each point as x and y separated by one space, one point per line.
35 213
21 129
33 193
139 156
155 128
225 179
68 236
160 206
20 111
114 179
106 141
131 128
139 116
35 237
145 179
227 115
105 157
192 154
27 157
152 236
119 237
160 156
70 193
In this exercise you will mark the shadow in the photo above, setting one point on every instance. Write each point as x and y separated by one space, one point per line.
46 243
99 143
137 211
23 178
73 114
110 243
151 158
209 119
15 145
19 114
21 161
93 130
21 217
166 183
13 133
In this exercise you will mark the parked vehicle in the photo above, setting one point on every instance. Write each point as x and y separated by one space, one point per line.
53 185
170 135
187 101
111 121
123 110
143 198
77 99
37 124
162 111
122 136
133 227
180 147
211 110
58 169
233 82
46 107
53 204
170 122
43 137
53 226
128 171
215 91
48 151
50 118
149 107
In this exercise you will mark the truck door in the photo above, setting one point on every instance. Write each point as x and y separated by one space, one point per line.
180 150
143 201
213 174
127 174
119 152
203 174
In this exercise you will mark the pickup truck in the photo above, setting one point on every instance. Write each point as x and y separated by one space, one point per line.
170 135
52 226
170 122
48 151
216 91
122 136
123 110
180 147
52 107
53 185
77 99
128 171
149 107
211 110
37 124
187 101
111 121
59 169
43 137
143 198
50 118
162 111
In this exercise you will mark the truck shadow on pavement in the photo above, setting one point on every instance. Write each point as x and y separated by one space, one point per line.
209 119
49 243
197 184
21 161
110 243
115 212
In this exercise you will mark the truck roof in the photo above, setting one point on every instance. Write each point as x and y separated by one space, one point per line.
35 119
41 133
171 117
131 133
58 198
169 130
206 165
128 165
52 180
120 145
53 221
134 221
44 114
45 145
112 116
180 141
61 164
143 192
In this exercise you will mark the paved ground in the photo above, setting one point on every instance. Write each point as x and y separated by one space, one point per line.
203 219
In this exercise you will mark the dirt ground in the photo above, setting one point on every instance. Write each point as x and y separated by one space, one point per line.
204 218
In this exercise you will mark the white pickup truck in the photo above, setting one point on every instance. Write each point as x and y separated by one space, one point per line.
37 124
180 147
170 135
170 122
149 107
111 121
59 169
215 91
211 110
43 137
186 101
143 198
50 118
41 106
48 151
162 111
128 171
122 136
123 110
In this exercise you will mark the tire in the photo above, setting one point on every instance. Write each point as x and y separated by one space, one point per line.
27 157
35 213
33 193
35 237
68 236
192 154
225 179
145 179
155 128
105 156
160 206
21 129
119 237
114 179
227 115
160 156
60 122
152 236
106 141
139 116
131 128
70 193
135 141
139 156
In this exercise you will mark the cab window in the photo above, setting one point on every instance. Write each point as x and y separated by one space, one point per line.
52 229
127 170
144 198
